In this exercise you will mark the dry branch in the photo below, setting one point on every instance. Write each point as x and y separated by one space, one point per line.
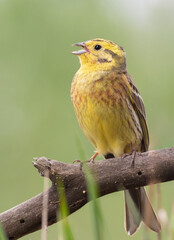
111 175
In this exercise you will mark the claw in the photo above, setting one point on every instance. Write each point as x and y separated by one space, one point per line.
133 158
133 155
91 160
80 163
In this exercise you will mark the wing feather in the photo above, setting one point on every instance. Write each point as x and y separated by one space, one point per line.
138 105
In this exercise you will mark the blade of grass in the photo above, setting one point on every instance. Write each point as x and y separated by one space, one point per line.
99 226
64 212
2 234
93 194
171 224
80 147
45 208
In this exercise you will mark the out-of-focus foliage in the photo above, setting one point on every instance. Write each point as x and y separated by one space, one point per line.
2 234
36 70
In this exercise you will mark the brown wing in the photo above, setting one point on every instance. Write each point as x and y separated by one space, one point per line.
138 106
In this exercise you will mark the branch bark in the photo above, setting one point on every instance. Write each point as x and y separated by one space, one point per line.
111 175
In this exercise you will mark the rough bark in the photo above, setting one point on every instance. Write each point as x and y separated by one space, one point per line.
111 175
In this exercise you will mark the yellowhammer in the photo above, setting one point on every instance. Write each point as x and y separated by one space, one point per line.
111 113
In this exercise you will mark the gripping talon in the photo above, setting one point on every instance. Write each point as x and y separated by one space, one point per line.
80 163
91 160
133 155
133 158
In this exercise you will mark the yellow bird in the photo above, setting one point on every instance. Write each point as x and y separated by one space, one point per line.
111 114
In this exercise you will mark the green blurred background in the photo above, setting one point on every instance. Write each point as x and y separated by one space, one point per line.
36 69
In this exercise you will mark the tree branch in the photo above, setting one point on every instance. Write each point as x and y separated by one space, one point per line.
111 175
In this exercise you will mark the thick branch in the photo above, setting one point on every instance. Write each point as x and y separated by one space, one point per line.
112 175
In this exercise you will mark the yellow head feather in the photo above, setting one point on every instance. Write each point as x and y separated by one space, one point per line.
100 54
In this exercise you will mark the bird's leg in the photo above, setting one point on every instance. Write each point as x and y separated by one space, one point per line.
91 160
93 157
133 157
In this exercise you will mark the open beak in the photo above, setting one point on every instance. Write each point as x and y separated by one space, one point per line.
79 52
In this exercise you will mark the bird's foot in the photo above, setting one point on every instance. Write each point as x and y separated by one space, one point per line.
91 160
80 163
133 155
133 158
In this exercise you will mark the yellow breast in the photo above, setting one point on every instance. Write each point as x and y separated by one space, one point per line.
103 112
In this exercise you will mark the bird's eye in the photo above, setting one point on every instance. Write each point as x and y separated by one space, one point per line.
97 47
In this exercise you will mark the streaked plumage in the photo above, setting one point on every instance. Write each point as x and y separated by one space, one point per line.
111 113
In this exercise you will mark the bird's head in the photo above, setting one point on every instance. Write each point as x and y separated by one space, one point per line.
101 54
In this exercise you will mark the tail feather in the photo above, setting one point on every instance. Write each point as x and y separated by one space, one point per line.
147 212
132 211
138 207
